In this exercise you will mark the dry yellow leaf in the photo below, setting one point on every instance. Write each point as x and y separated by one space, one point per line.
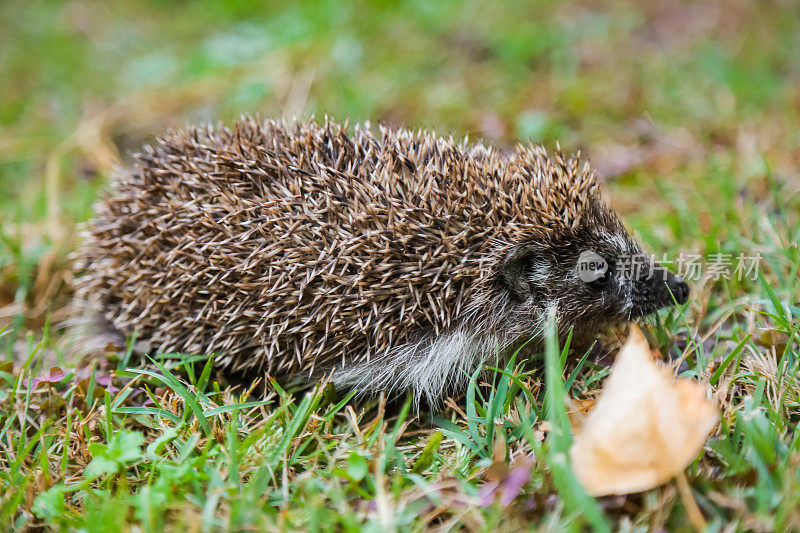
647 426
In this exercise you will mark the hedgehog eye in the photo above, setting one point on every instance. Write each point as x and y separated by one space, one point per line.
601 281
594 270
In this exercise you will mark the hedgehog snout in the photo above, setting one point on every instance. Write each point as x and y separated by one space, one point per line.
661 288
679 289
671 287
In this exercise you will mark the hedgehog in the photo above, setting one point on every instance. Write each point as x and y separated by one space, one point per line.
401 261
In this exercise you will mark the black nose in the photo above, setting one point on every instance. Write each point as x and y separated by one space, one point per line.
679 289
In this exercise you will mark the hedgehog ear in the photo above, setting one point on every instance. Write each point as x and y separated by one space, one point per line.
513 272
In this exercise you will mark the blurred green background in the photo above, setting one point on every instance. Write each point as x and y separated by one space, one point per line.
659 95
687 110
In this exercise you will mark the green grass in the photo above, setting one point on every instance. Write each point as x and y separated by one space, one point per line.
690 114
